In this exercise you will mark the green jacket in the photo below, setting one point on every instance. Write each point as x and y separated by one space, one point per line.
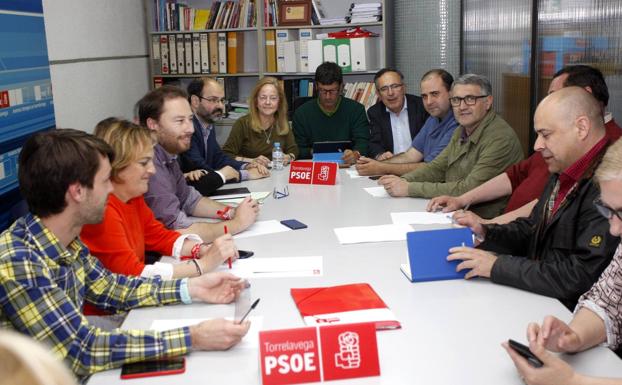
347 122
490 149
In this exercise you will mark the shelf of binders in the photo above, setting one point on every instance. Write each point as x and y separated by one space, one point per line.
327 26
205 31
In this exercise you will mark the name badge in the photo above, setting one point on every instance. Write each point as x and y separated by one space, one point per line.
291 356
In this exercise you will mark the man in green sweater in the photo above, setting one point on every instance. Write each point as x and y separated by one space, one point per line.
482 147
331 117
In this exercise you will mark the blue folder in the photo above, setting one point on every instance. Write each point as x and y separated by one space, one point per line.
328 157
428 251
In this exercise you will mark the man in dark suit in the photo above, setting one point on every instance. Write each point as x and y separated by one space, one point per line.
396 118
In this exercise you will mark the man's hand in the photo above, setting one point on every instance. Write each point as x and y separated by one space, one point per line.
479 262
473 221
445 203
257 172
218 252
384 156
350 157
230 173
260 160
217 334
395 186
555 335
219 287
554 372
195 175
367 166
245 215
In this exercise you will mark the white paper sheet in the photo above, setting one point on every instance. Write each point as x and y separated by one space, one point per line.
365 234
259 196
377 192
261 228
421 218
353 173
277 267
250 340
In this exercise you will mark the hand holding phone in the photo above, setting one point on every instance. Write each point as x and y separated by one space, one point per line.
526 353
154 368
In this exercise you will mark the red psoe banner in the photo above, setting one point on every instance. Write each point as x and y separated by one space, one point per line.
313 173
291 356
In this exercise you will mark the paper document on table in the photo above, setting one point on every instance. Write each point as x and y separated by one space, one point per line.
353 173
377 192
250 340
277 267
261 228
259 196
364 234
421 218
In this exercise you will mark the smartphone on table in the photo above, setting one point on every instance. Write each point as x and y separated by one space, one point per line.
293 224
162 367
526 353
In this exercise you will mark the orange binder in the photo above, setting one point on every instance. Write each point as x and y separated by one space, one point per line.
351 303
213 52
270 51
235 52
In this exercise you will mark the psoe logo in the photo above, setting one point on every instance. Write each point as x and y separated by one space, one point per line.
349 356
323 176
596 241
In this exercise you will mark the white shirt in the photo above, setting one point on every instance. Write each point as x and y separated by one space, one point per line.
400 127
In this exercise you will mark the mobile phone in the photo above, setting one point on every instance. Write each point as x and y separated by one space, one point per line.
375 177
293 224
245 254
526 353
154 368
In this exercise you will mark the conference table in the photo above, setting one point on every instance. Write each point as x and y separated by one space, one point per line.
451 330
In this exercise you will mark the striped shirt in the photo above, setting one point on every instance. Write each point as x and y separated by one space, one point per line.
44 285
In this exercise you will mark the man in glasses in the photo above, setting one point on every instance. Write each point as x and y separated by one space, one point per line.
206 166
431 139
397 117
481 147
331 117
564 245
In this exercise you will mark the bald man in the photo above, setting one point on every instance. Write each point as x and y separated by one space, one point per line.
563 246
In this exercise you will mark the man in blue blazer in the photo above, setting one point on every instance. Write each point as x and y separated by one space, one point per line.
205 159
396 118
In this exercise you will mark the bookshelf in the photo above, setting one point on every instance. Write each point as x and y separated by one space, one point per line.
250 21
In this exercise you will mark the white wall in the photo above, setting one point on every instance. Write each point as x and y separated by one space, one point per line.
98 59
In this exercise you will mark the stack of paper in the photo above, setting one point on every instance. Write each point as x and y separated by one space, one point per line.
377 192
277 267
421 218
365 13
365 234
259 196
261 228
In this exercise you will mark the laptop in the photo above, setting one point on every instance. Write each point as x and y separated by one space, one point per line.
428 251
330 151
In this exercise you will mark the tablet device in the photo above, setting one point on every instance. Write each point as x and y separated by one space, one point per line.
154 368
331 146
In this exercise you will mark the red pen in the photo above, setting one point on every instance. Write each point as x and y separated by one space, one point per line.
229 259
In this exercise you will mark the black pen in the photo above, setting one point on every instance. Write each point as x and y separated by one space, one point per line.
254 305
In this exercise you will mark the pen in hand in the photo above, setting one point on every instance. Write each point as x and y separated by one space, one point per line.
254 305
228 259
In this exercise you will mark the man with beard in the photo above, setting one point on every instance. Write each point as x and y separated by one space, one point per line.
47 274
166 111
205 165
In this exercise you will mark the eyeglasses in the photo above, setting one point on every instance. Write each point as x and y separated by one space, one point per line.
392 87
606 211
276 194
328 92
469 100
265 98
214 99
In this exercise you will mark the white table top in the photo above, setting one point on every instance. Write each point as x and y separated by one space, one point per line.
451 330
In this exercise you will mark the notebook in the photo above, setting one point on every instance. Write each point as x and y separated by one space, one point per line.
428 251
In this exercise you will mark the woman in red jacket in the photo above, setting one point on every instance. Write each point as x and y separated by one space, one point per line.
129 227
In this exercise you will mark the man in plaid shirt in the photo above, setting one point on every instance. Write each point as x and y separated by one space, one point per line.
47 273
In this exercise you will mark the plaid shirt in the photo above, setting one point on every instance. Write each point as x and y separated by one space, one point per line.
43 287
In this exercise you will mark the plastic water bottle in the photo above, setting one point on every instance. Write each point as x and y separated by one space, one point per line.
277 156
